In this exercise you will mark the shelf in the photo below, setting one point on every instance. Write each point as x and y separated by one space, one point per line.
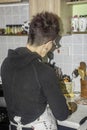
76 2
24 2
14 35
79 32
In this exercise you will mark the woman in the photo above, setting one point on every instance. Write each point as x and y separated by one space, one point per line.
31 88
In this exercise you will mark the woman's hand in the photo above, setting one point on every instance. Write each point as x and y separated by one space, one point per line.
72 106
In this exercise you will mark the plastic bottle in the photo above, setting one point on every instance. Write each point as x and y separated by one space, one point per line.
75 23
86 21
82 23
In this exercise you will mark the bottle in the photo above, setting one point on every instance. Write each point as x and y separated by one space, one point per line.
82 23
86 21
75 23
12 29
7 29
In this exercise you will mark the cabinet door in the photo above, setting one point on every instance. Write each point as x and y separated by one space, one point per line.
56 6
65 14
7 1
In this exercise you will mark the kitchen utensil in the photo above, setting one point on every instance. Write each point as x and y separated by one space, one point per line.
83 120
83 67
82 70
81 73
75 73
84 88
83 123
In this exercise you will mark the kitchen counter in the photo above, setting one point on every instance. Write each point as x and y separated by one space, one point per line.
73 120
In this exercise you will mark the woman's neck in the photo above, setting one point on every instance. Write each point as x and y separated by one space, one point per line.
33 48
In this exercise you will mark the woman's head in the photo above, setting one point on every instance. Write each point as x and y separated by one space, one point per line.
43 28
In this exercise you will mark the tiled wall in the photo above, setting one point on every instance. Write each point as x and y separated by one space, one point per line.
73 48
72 52
12 14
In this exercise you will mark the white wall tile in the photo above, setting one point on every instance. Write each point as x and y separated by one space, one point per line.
76 38
12 15
77 49
85 59
7 10
2 11
77 44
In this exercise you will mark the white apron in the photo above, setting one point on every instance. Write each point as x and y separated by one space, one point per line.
45 122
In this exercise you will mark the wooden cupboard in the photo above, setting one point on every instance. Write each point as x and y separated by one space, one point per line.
56 6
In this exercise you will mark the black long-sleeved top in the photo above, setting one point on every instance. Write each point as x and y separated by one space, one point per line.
29 84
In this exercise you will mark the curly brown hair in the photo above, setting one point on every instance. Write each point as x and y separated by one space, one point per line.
43 28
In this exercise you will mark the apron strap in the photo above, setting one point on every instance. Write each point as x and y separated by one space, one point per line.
18 121
19 125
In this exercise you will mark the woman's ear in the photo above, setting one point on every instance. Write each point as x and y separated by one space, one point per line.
45 48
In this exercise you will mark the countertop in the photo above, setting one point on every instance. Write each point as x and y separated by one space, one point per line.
73 120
